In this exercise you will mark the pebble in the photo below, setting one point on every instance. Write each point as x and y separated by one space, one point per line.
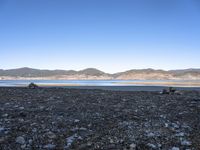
175 148
180 134
83 129
23 146
49 146
151 145
20 140
5 115
51 135
2 139
76 120
41 107
21 108
34 130
132 146
150 134
30 141
71 139
2 129
186 143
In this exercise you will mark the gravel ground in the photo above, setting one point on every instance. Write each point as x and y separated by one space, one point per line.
60 118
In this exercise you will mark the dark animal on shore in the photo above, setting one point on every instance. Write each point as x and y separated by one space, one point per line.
32 86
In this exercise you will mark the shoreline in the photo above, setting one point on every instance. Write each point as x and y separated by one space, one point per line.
103 83
114 88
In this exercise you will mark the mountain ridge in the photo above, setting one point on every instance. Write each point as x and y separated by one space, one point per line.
93 73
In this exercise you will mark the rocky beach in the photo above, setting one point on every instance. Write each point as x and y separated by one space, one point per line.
63 118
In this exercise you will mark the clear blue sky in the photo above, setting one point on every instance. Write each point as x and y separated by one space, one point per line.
111 35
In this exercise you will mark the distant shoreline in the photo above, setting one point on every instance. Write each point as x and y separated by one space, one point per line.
170 83
115 88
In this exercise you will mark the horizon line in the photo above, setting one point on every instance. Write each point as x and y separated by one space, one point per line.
100 69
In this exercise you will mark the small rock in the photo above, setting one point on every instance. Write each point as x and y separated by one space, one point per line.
76 120
180 134
175 148
186 143
32 86
89 144
2 139
30 141
20 140
51 135
2 129
23 146
22 114
5 115
150 134
111 141
70 140
174 125
83 129
166 125
16 106
132 146
21 120
34 130
49 146
41 107
21 108
151 145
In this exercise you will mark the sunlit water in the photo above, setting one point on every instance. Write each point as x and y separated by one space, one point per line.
83 82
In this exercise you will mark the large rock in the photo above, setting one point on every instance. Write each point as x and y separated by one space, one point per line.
32 86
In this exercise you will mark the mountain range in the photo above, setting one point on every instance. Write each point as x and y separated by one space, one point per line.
95 74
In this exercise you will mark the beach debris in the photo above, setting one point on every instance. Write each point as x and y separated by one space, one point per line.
32 86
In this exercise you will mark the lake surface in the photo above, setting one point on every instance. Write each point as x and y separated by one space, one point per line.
67 82
100 83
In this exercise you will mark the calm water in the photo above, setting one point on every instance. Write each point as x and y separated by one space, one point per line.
80 82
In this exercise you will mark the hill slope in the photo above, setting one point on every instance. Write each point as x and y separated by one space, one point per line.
92 73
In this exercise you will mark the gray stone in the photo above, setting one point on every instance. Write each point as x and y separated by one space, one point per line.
49 146
175 148
20 140
132 146
186 143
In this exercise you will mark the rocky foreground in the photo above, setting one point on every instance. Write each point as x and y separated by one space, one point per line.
59 118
